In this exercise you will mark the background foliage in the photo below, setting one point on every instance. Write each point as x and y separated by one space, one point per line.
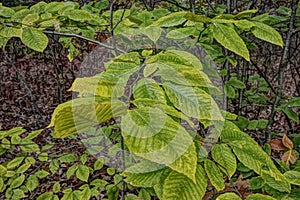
265 107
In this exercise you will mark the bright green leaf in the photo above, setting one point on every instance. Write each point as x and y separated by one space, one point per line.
228 196
32 182
293 177
15 162
83 173
173 19
229 38
34 39
17 181
177 186
214 174
266 33
223 155
259 197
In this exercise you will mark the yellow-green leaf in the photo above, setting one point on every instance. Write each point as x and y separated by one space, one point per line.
259 197
266 33
223 155
149 132
177 186
32 182
170 20
15 162
228 196
149 89
34 39
83 173
293 177
214 174
6 12
228 37
17 181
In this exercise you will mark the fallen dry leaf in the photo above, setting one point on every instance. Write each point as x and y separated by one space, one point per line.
277 145
287 142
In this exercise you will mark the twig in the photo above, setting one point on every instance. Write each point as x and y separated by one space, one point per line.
84 38
283 62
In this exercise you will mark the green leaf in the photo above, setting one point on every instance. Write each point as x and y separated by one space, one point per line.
15 162
266 33
276 182
214 174
256 182
293 177
99 183
173 19
29 20
149 89
229 91
32 182
110 171
9 32
6 12
229 38
34 39
152 32
15 139
228 196
82 116
169 110
244 24
23 168
193 102
2 186
98 165
68 194
78 15
181 33
188 57
17 182
236 83
245 13
253 157
259 197
149 132
38 7
144 194
41 174
86 193
54 166
67 158
112 192
144 174
83 173
56 187
18 194
223 155
290 113
33 134
177 186
43 157
197 18
54 7
29 146
71 170
46 196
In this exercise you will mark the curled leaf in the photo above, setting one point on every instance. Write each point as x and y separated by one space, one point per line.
287 142
289 157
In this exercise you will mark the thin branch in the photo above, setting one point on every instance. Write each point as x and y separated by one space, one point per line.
192 6
84 38
283 63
